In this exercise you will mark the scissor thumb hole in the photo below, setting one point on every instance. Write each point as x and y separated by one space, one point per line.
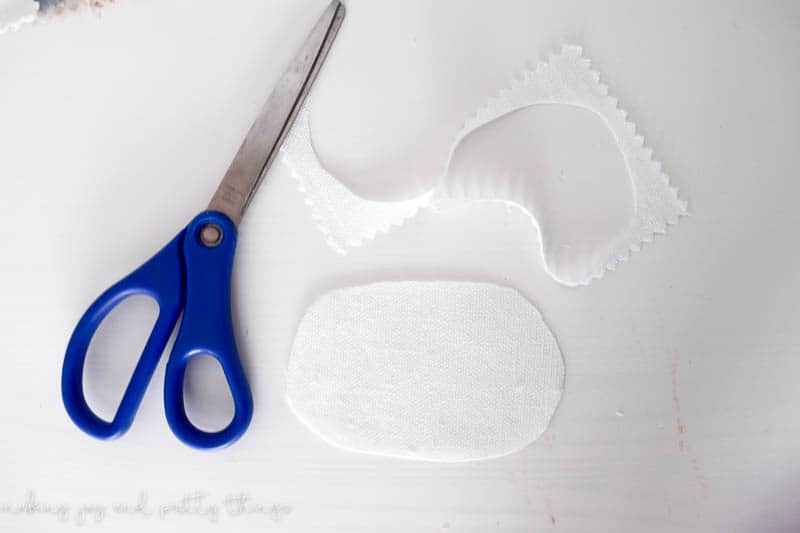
207 397
175 399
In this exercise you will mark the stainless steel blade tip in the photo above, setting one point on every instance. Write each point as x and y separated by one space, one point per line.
260 146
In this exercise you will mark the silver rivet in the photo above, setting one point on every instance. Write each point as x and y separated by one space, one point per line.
211 235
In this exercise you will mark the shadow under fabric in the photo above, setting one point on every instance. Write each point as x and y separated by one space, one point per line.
431 370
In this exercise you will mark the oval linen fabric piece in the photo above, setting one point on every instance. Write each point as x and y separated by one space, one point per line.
434 370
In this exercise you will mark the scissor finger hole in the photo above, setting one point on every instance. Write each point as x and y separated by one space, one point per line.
206 395
114 351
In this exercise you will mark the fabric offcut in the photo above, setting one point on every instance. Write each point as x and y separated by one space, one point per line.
15 14
566 79
440 371
346 220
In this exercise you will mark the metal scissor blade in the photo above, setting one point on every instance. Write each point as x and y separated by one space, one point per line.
261 145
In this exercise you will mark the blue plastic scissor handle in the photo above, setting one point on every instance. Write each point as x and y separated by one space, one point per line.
185 275
207 329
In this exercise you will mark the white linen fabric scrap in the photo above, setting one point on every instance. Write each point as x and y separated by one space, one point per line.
440 371
345 219
16 13
567 78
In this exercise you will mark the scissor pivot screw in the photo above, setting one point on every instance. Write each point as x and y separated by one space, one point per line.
211 235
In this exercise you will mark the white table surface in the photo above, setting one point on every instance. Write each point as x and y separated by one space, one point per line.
681 410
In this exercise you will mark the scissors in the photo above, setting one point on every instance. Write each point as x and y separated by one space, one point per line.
192 274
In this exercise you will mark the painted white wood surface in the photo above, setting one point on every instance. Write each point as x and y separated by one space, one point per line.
681 410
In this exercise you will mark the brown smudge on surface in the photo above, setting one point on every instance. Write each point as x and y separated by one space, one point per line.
680 427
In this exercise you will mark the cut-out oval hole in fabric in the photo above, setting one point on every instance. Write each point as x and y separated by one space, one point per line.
561 165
